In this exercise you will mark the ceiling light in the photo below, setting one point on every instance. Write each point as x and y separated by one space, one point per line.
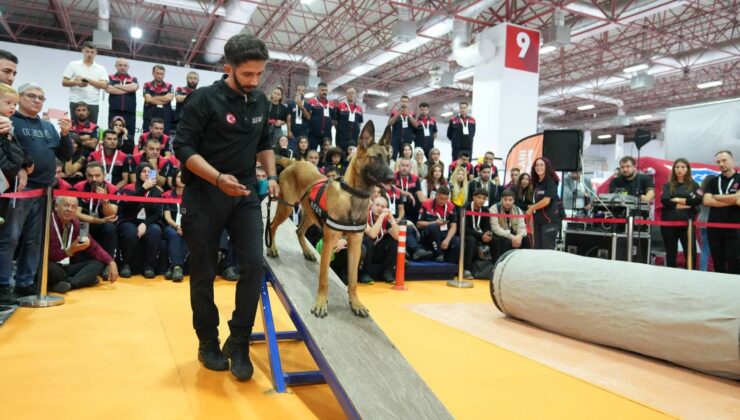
643 117
309 95
636 68
586 107
707 85
547 49
446 114
439 29
136 32
605 136
381 105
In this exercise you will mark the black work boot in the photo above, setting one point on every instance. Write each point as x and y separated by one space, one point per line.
209 353
237 349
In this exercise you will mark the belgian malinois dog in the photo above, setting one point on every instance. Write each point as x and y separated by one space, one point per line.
348 203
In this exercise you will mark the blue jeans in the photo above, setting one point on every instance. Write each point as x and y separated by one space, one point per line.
26 218
177 249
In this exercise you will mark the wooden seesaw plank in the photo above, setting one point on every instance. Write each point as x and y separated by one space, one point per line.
369 376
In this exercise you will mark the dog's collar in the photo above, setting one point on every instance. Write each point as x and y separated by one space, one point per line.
356 193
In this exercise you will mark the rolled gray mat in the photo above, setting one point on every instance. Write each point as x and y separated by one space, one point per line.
689 318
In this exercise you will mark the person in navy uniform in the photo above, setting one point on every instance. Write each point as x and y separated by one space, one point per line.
158 96
223 132
438 226
461 132
121 90
403 126
348 120
426 131
322 115
182 93
723 198
298 117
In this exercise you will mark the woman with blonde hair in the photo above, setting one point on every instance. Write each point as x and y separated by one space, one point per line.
419 160
459 186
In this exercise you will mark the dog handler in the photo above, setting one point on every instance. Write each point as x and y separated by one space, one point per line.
223 130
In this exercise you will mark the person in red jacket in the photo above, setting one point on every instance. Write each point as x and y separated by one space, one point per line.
65 242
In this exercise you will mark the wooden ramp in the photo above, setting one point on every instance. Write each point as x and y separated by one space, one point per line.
368 375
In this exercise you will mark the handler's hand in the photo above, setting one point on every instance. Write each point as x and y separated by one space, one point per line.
112 272
273 189
231 186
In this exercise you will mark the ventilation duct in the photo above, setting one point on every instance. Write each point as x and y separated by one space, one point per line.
237 11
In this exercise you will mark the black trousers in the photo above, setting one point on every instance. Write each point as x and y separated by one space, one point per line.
206 212
500 245
725 247
545 235
381 254
471 251
671 236
80 274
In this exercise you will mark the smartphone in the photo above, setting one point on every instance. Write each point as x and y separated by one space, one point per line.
153 175
84 232
56 114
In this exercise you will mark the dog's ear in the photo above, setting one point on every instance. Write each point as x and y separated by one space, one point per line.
385 141
367 136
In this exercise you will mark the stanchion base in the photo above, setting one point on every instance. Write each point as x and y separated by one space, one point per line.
36 301
401 287
460 284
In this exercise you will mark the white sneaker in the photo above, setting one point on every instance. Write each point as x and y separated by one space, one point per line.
467 275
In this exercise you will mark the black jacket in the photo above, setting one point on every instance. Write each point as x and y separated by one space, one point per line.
226 128
484 223
12 157
689 192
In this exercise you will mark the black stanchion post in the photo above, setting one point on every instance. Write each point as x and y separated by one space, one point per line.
42 300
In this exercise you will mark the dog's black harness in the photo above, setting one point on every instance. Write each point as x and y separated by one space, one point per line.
317 199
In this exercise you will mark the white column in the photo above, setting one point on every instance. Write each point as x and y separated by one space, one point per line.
505 90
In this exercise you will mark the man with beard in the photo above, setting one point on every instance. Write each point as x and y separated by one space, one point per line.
723 198
403 125
298 116
100 214
86 129
632 183
121 90
222 133
321 116
426 131
113 161
182 93
156 131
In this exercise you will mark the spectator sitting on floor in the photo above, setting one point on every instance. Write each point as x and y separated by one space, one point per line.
332 172
334 158
514 176
177 249
282 148
459 187
438 225
313 157
65 243
509 233
487 183
380 242
478 234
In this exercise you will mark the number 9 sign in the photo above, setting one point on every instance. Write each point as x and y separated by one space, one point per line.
522 49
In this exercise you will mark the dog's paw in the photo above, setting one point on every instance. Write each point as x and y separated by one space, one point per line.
272 253
359 309
309 256
320 310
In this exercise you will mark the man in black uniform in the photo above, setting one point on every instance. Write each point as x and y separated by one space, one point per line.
631 182
723 196
222 132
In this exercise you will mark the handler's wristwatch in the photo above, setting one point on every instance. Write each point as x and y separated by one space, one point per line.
272 178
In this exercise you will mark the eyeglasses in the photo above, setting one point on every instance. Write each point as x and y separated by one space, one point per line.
33 97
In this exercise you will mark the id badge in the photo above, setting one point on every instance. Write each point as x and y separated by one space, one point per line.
466 132
326 112
178 219
109 178
64 261
427 132
160 106
141 215
443 228
393 210
485 204
405 123
284 129
351 117
299 118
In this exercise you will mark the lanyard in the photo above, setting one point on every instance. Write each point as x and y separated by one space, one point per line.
350 110
392 200
406 187
372 223
719 185
443 216
426 127
298 113
69 235
404 121
112 164
476 224
464 123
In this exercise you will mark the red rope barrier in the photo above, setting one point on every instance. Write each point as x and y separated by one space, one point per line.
718 225
594 220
